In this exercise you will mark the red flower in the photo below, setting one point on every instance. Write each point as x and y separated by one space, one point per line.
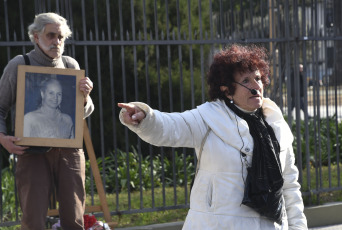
89 221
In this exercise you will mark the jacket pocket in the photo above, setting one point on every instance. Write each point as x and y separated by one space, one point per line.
202 198
210 194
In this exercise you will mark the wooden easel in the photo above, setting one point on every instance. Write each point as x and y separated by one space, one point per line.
98 182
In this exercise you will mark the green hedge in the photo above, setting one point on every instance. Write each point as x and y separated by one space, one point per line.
324 138
143 171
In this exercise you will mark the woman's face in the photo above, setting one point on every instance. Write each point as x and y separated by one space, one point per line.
243 96
52 95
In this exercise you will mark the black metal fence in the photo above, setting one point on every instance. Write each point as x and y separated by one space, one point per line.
158 52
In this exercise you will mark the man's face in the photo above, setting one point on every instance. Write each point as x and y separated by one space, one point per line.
51 41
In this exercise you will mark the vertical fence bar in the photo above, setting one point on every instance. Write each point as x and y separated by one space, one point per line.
57 7
279 63
22 31
262 20
170 97
211 27
201 51
316 105
327 96
86 66
272 47
136 96
148 96
298 88
191 57
159 92
114 105
99 82
68 9
125 100
307 149
7 30
181 89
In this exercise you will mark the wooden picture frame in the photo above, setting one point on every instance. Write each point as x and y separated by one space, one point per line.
49 107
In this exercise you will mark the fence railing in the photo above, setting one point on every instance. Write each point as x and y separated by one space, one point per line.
159 52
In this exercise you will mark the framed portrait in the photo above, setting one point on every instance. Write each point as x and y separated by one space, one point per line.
49 107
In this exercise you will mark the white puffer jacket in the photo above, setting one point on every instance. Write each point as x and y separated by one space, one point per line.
215 201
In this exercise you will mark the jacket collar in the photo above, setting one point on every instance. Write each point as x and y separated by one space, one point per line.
226 124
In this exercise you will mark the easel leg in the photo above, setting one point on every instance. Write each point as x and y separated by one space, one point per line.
96 173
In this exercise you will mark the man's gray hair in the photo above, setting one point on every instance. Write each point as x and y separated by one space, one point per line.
43 19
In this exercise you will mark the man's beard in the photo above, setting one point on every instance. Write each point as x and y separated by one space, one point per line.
48 48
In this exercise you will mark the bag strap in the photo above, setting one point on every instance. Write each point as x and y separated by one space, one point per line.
27 59
201 149
65 62
34 149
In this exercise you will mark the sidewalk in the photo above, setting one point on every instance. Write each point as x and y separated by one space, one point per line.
332 227
178 226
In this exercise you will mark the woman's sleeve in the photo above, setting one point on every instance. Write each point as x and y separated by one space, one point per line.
169 129
292 194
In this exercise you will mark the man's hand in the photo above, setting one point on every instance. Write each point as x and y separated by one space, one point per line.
86 86
8 143
131 114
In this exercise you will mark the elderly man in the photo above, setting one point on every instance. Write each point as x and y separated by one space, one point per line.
37 172
301 89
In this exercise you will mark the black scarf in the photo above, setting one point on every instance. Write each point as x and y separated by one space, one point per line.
264 182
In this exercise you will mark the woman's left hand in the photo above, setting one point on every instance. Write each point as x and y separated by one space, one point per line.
131 114
86 86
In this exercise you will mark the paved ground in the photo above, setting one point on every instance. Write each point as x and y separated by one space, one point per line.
178 226
334 227
323 112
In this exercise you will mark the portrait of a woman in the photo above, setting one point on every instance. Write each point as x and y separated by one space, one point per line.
47 120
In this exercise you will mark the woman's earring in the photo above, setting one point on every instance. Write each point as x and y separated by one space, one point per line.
230 100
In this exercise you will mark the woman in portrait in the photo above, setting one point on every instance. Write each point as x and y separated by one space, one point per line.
48 121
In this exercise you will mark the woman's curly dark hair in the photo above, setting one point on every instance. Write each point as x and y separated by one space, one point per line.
235 59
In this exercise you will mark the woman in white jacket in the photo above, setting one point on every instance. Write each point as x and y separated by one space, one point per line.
246 177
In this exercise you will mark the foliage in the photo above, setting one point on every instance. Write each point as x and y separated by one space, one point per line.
136 170
128 167
326 141
8 207
323 177
8 196
164 76
131 168
179 165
